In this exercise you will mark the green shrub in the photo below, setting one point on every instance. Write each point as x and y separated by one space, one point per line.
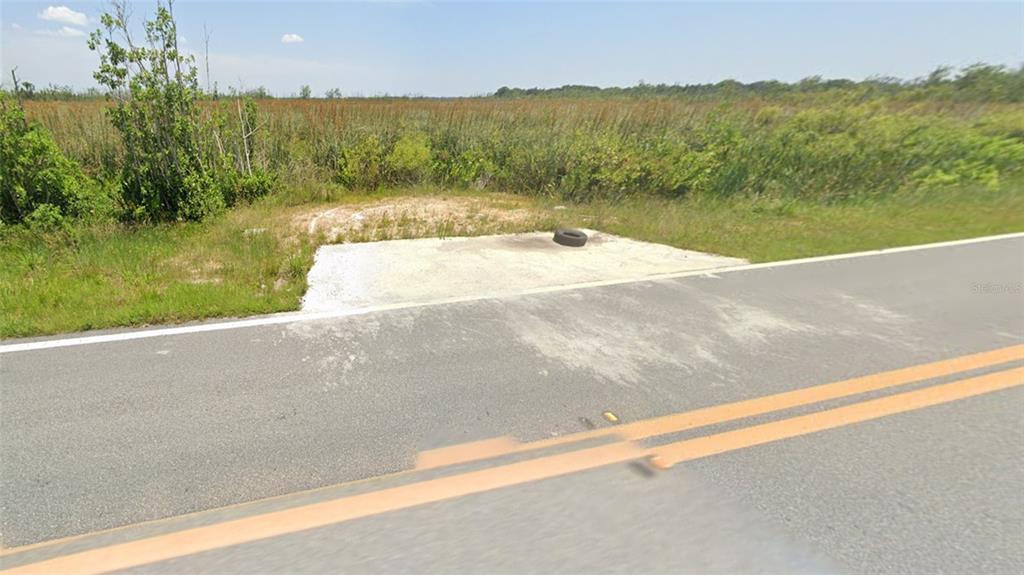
606 166
241 188
45 218
472 168
409 160
361 166
35 175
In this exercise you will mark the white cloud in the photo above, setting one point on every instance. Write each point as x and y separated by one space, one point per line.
16 26
63 32
65 15
69 32
291 39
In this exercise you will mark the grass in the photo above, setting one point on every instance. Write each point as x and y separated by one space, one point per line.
772 230
254 259
603 149
108 276
752 178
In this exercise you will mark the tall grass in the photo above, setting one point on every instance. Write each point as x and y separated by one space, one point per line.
760 179
607 149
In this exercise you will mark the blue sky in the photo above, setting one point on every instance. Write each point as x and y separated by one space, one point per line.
451 49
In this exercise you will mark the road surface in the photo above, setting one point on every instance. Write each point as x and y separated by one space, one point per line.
848 415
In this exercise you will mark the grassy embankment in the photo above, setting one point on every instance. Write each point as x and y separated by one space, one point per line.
758 180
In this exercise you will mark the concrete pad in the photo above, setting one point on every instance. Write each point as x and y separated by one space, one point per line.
349 276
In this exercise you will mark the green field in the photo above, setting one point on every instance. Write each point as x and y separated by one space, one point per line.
753 177
823 148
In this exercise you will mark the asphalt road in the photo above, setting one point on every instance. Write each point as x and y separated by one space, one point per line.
108 434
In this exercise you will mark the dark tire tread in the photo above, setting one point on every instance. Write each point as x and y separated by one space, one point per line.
570 237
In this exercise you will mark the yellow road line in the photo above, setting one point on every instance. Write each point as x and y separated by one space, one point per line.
445 456
733 411
235 532
687 450
248 529
495 447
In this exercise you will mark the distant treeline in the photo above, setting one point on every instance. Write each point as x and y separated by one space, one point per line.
980 82
29 91
977 83
56 92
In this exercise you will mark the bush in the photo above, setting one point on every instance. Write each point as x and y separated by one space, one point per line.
36 180
243 188
45 218
409 160
361 166
471 168
168 172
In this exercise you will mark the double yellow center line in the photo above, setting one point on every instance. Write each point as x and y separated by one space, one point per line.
253 528
717 414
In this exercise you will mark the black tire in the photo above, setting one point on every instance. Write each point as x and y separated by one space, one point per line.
571 238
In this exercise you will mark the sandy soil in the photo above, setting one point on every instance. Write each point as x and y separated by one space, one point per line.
395 217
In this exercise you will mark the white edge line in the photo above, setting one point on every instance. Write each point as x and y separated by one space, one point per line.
293 317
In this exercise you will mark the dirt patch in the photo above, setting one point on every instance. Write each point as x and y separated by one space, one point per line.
415 217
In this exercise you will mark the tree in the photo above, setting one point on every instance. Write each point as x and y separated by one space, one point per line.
305 92
154 88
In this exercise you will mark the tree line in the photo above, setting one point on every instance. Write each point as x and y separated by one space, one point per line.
979 83
976 83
